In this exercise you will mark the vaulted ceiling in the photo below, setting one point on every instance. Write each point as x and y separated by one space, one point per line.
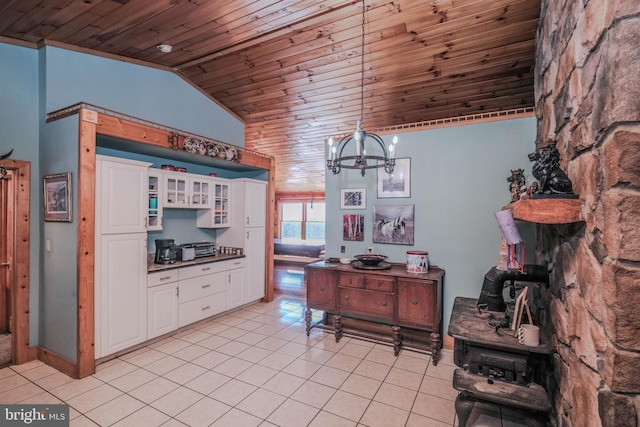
292 69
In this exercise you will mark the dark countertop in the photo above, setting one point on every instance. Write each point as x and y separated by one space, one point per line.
153 267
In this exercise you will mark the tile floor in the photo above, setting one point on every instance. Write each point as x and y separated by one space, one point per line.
251 367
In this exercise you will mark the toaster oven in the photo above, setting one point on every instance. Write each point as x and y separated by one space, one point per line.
203 249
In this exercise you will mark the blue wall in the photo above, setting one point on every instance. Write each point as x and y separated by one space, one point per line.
458 182
19 119
147 93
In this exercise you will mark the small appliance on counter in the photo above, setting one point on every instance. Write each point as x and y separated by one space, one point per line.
201 249
185 252
165 251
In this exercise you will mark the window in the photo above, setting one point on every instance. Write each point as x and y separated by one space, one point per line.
302 220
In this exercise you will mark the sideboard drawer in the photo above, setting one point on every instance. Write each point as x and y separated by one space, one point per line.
379 283
351 281
361 302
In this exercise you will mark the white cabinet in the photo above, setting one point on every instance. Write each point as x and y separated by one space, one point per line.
154 214
162 303
249 202
120 254
121 196
235 277
255 202
121 292
182 190
219 215
256 254
202 292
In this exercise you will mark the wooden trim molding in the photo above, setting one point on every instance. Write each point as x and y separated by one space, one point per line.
19 249
86 245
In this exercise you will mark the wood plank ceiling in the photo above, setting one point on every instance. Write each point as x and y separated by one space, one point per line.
292 69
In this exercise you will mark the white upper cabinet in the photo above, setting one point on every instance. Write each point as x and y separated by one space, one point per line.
255 202
122 202
219 215
183 190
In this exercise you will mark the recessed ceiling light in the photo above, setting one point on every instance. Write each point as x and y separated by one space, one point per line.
165 48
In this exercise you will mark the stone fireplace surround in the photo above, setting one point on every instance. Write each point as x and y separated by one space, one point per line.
587 93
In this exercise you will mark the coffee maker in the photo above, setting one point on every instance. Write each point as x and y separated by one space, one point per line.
165 251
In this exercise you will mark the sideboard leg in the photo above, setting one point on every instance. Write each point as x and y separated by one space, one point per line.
337 326
397 343
307 320
435 347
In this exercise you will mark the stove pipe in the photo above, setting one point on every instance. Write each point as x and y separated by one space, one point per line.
495 280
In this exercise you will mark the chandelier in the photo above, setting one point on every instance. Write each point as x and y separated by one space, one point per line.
361 160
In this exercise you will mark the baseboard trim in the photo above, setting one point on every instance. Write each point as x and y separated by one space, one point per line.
61 363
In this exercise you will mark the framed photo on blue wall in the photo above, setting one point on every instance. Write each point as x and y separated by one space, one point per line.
398 183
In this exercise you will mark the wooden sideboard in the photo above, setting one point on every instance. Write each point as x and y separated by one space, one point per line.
410 304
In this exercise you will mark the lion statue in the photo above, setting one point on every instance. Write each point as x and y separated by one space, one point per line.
546 169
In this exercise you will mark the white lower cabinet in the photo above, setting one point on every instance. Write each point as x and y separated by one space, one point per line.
202 292
178 297
121 292
162 303
235 276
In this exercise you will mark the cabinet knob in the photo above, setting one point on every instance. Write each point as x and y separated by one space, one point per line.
414 301
379 284
384 303
346 297
322 288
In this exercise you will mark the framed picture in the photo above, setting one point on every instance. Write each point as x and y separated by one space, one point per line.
393 224
398 183
353 198
353 227
57 197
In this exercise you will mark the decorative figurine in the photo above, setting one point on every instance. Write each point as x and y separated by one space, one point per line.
517 184
546 169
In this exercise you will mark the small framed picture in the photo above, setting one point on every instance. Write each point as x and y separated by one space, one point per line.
353 227
353 198
398 183
57 197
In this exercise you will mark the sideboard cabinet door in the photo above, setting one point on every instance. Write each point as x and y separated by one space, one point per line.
321 289
417 303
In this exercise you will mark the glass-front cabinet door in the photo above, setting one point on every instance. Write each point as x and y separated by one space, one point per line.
221 205
154 217
200 193
175 191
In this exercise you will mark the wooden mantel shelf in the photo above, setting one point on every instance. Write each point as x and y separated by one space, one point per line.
547 211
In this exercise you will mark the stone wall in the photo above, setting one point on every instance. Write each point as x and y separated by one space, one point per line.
588 104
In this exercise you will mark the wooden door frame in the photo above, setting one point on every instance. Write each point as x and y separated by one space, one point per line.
18 249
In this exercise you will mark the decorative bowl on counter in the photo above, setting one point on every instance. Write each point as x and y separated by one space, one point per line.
346 261
370 259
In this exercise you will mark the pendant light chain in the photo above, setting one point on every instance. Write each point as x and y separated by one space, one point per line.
362 160
362 69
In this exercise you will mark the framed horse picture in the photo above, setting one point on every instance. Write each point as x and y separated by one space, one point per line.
393 224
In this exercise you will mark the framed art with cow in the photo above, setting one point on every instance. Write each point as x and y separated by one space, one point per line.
393 224
398 183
